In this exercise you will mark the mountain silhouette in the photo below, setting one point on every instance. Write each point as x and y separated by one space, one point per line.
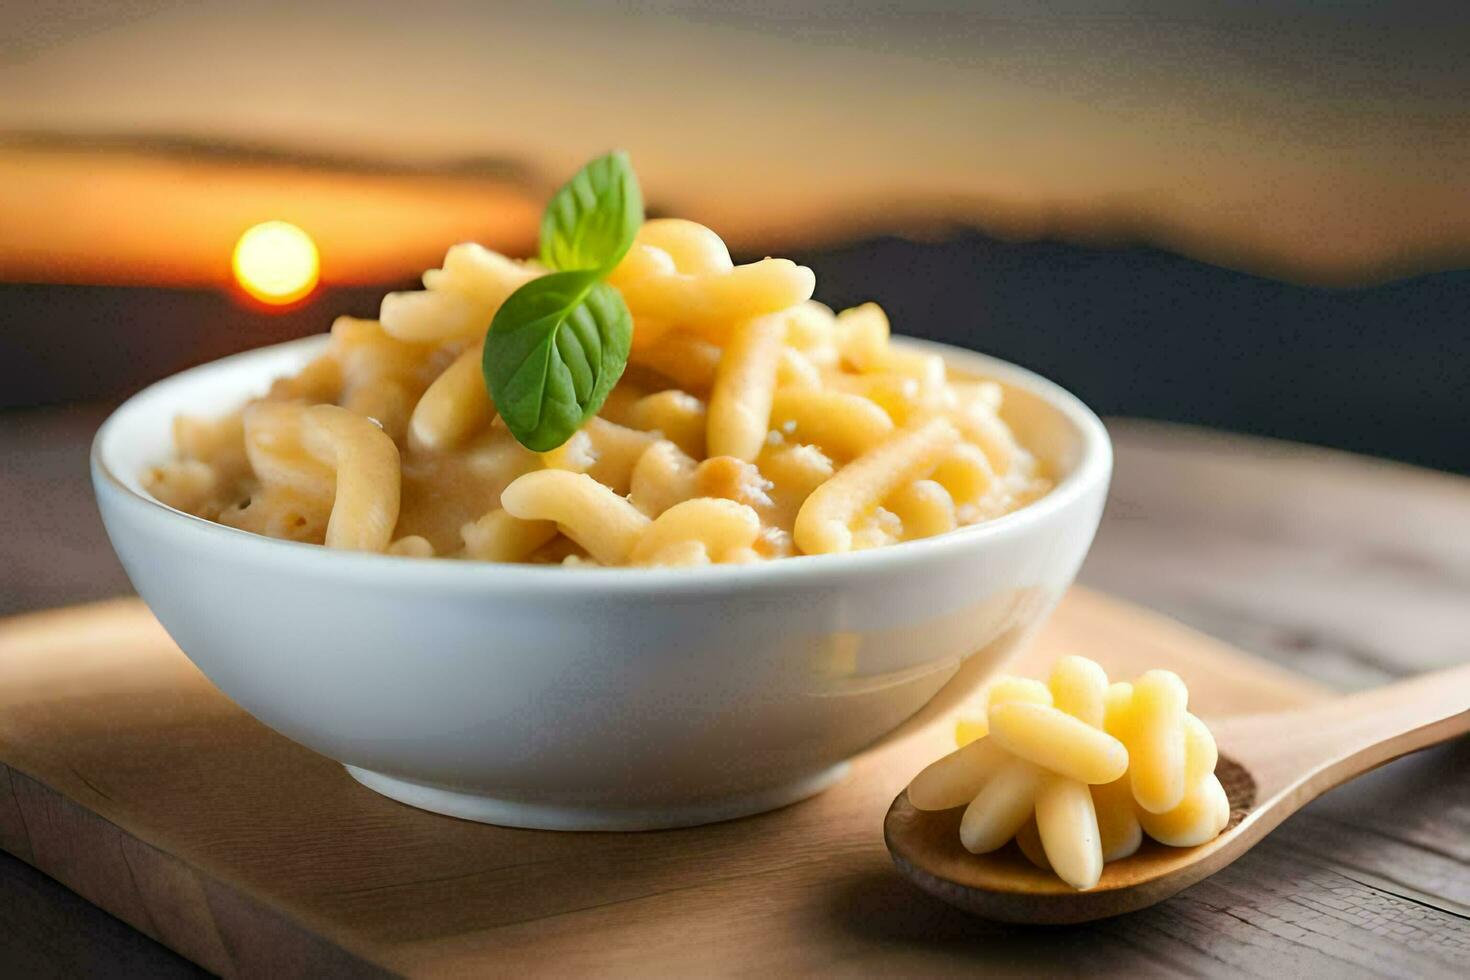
1136 331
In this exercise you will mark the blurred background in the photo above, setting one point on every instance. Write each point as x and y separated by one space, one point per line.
1254 216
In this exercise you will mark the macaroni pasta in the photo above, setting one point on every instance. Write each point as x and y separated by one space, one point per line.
751 424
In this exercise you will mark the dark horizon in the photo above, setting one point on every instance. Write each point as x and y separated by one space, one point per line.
1133 331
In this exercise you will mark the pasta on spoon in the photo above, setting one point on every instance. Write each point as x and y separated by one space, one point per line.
1077 771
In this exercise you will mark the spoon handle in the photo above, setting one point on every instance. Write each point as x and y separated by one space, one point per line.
1307 751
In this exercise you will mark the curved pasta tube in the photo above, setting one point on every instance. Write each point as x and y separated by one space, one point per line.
925 509
497 536
1118 711
381 376
877 528
1011 689
219 442
927 369
320 381
663 477
388 403
643 259
281 511
455 406
824 522
183 485
719 525
955 779
905 400
365 506
977 394
1157 741
796 370
680 554
620 401
1117 822
678 415
1201 813
603 450
1079 687
1001 808
461 299
494 458
483 277
576 454
811 329
1199 816
1066 820
412 546
709 302
965 472
679 272
693 247
843 425
745 386
863 336
428 315
797 468
732 479
648 332
1201 754
864 342
794 472
689 361
272 432
774 542
593 516
986 430
617 448
1058 742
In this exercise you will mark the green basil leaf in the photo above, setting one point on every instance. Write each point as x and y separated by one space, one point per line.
590 223
555 349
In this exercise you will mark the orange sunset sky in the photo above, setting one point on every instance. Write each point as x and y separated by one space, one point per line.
1320 142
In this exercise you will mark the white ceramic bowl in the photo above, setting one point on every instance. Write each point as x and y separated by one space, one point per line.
542 696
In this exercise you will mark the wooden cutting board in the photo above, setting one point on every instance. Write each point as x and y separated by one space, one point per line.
125 775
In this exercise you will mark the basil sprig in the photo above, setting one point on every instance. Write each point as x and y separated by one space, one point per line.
591 222
559 343
556 348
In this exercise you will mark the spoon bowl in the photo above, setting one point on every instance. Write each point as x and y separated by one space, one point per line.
1271 765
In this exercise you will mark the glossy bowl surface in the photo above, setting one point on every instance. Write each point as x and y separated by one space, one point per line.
564 698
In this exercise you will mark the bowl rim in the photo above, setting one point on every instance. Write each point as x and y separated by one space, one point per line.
1093 467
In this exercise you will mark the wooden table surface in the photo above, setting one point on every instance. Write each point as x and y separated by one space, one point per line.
1345 569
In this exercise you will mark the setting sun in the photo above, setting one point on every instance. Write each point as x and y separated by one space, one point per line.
276 262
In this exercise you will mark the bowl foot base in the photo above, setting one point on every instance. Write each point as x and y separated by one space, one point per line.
542 816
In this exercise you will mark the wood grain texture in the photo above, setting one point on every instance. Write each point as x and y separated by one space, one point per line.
1348 570
55 550
133 781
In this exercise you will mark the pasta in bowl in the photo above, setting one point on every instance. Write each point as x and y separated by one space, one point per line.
764 427
841 535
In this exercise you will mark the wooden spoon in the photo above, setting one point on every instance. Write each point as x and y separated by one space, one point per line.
1271 765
